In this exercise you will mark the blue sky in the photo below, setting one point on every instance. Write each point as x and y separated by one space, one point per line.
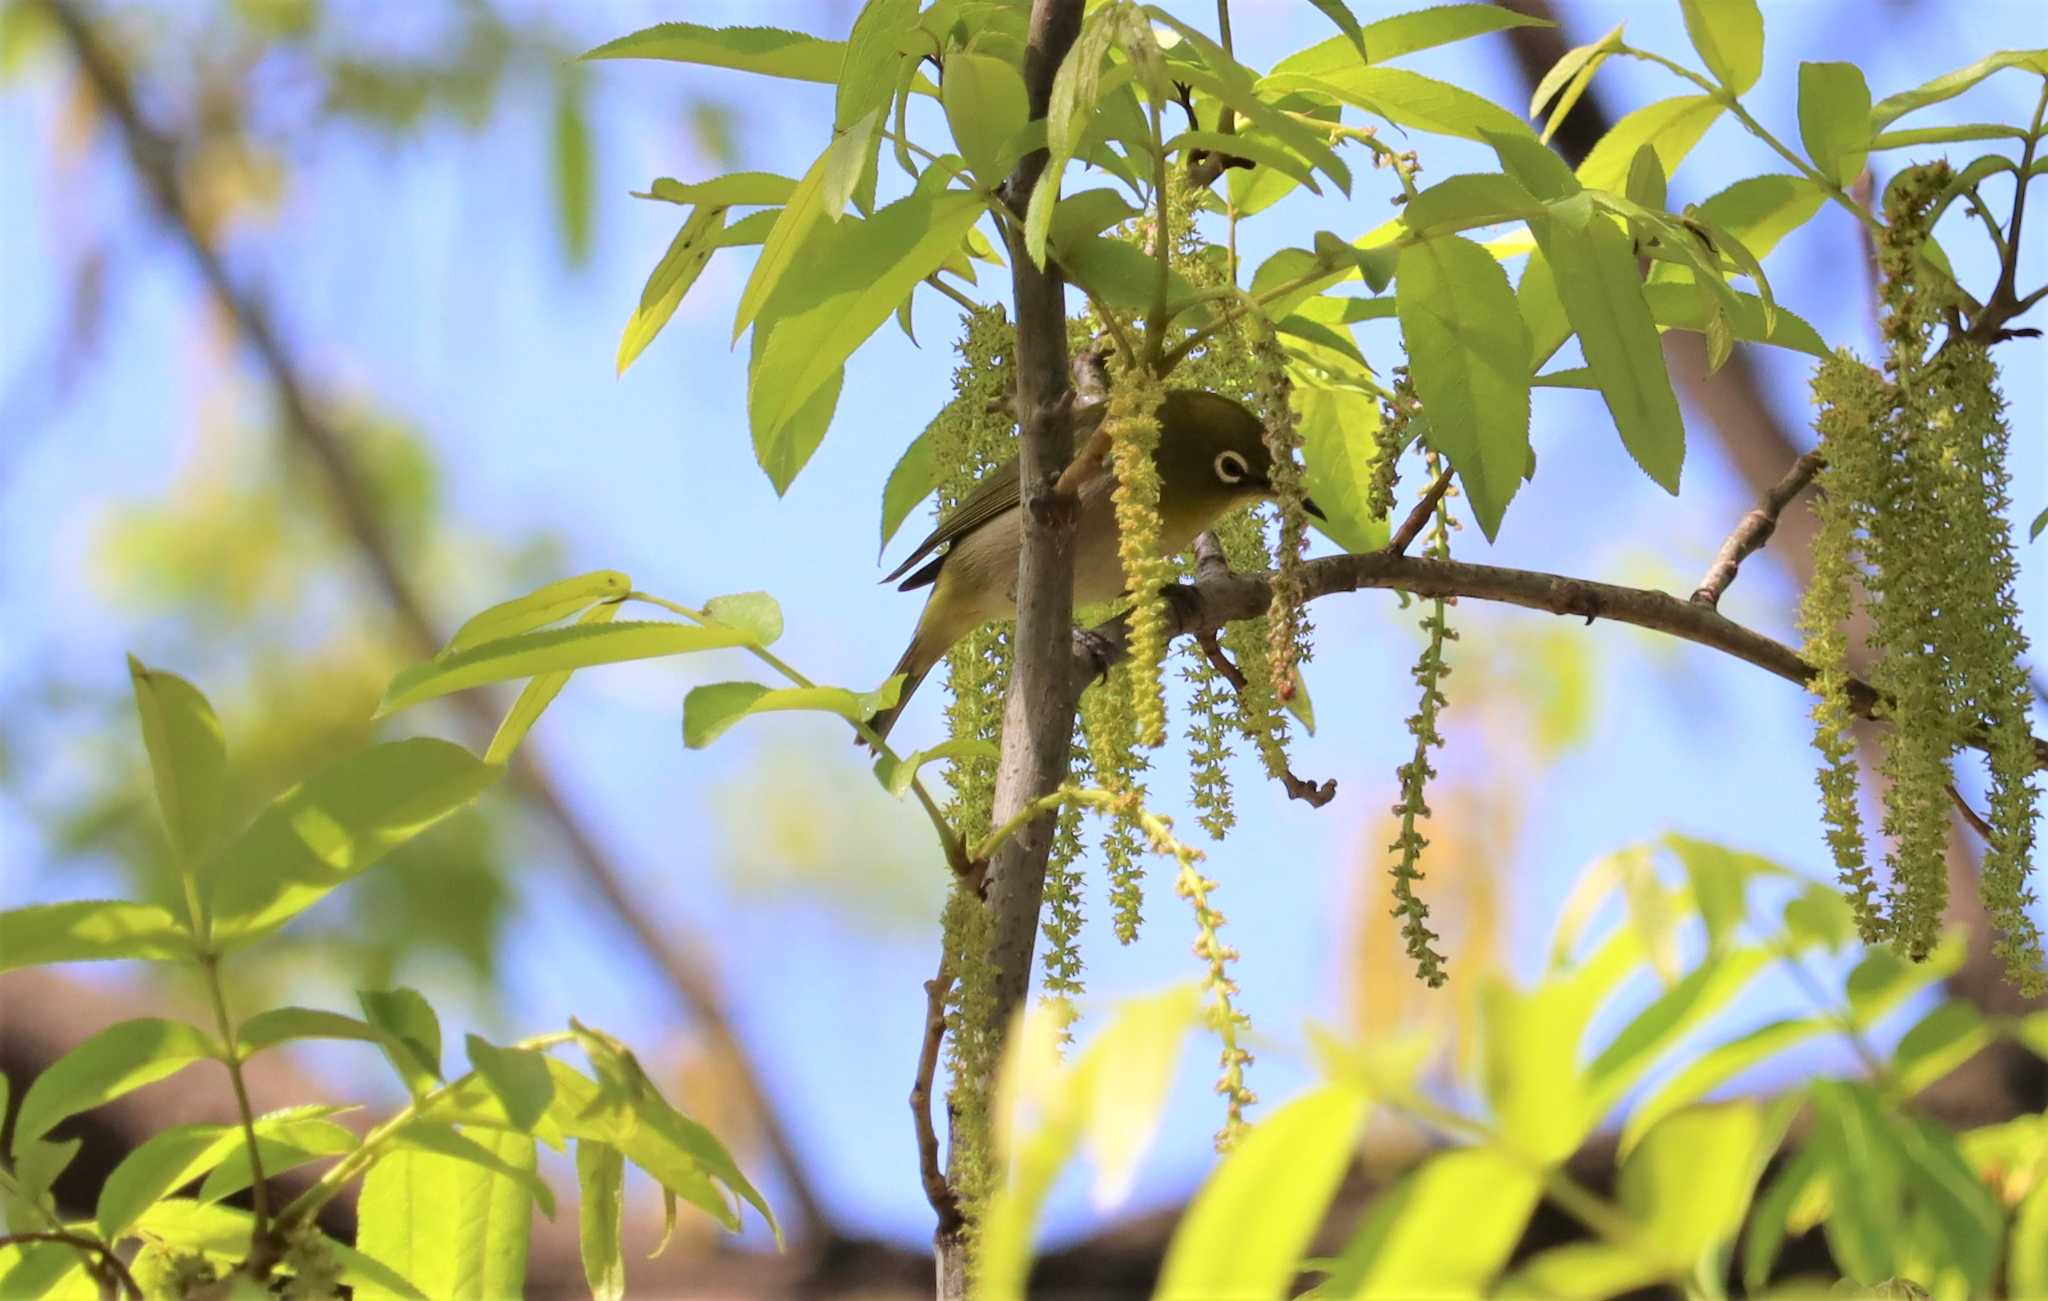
429 276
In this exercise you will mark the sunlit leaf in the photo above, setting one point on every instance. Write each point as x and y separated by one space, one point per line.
572 165
1949 1035
518 1076
600 1212
331 827
409 1033
1406 99
1729 35
162 1163
452 1227
1689 1182
1950 84
187 758
1339 446
1596 278
685 259
909 483
1834 118
985 107
538 608
756 614
283 1024
896 775
708 711
1466 344
765 50
488 1149
1715 1067
1670 126
117 1060
735 189
550 650
1445 1229
90 930
1250 1224
535 697
224 1231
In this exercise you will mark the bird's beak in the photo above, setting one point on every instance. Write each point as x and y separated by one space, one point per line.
1315 512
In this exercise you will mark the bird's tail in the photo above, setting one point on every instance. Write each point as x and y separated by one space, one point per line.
916 662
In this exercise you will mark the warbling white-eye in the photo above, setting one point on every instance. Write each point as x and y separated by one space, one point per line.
1212 458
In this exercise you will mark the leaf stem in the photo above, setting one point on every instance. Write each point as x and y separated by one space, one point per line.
261 1247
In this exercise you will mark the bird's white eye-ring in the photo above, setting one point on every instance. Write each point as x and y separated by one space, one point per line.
1231 467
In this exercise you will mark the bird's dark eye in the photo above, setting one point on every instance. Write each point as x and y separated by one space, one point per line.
1231 467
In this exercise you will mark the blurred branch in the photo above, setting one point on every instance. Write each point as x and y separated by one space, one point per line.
154 160
944 1201
1755 529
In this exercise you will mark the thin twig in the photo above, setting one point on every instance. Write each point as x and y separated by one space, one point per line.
1212 603
1970 815
1755 529
670 946
1418 519
944 1201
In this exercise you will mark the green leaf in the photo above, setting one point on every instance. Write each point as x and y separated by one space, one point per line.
1595 269
680 1154
453 1228
1534 165
1714 1068
1390 38
1703 991
910 482
284 1024
1949 1035
90 930
161 1164
538 693
119 1059
482 1150
289 1138
1076 89
851 165
1769 1222
733 190
874 48
1947 135
986 109
1834 118
224 1231
518 1076
1119 273
1950 84
1229 82
756 614
548 651
2026 1269
1670 126
1677 306
1729 35
1252 1221
1867 1171
1689 1182
1347 22
187 758
709 710
687 256
768 51
1542 311
1582 1269
538 608
572 165
409 1033
855 274
1529 1068
1247 144
600 1216
785 451
1462 202
325 831
1407 99
1883 979
2040 522
896 775
1446 1229
1570 77
1338 448
1647 183
788 237
1466 348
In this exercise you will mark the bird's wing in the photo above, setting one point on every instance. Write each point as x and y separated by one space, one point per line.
993 496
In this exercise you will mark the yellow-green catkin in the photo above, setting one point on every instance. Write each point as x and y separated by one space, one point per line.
1990 669
972 436
1061 988
1429 672
1853 400
1109 727
1229 1021
1133 427
1286 623
1397 412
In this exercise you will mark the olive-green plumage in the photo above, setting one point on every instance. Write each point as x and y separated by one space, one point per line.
1212 458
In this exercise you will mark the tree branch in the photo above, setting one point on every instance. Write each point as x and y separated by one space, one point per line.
1755 529
944 1201
1418 518
153 158
1209 603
